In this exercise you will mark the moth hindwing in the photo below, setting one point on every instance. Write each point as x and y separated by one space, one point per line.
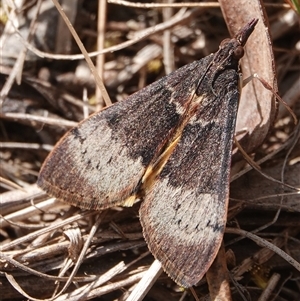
169 144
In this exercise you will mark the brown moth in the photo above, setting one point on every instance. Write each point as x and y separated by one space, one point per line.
168 145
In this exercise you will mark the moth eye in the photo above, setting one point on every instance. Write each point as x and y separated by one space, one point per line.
224 42
238 52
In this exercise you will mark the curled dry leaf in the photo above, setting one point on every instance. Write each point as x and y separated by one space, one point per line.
257 109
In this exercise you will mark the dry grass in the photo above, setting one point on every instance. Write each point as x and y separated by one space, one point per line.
51 249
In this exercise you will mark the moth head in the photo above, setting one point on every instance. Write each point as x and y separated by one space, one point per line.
229 54
233 49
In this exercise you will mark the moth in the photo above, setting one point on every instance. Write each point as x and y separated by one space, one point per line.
168 145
